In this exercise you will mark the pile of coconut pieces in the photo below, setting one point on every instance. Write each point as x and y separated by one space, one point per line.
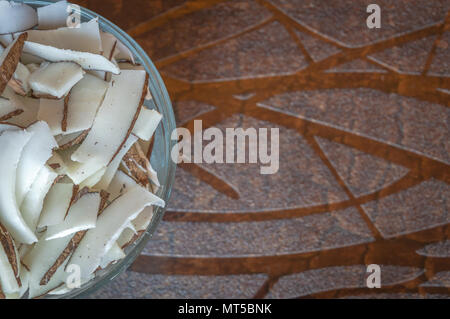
76 183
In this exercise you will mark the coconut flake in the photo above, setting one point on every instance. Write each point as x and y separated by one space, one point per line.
110 225
86 38
146 124
55 79
84 101
53 15
81 216
114 254
9 263
52 112
9 60
86 60
16 17
33 202
114 123
34 156
114 165
12 144
56 204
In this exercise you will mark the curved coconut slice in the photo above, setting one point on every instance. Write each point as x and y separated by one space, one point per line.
124 54
6 39
109 43
52 112
16 17
86 60
114 254
9 265
114 165
47 255
86 38
57 204
120 184
8 109
78 172
84 101
55 79
12 144
30 107
146 124
8 127
25 280
33 202
92 180
69 140
34 156
52 16
19 81
114 123
9 60
142 221
110 225
139 166
127 237
82 216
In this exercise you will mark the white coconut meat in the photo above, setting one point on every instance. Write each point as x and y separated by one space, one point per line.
9 263
8 127
84 100
81 216
34 156
29 115
86 38
110 224
146 124
55 79
45 255
52 112
52 16
109 44
88 61
94 179
114 122
114 254
20 79
8 109
6 39
78 172
114 165
12 144
33 202
24 280
123 53
16 17
120 184
56 204
142 221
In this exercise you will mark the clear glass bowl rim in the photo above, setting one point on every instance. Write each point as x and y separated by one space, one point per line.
167 175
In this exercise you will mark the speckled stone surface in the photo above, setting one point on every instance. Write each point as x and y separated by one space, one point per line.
364 171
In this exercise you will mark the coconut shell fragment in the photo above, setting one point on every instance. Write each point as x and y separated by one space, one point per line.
9 60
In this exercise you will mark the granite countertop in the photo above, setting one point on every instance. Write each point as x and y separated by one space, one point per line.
363 117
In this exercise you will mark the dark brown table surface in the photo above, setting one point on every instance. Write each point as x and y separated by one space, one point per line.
364 124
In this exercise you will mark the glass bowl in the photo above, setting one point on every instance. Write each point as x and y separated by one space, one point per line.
160 159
